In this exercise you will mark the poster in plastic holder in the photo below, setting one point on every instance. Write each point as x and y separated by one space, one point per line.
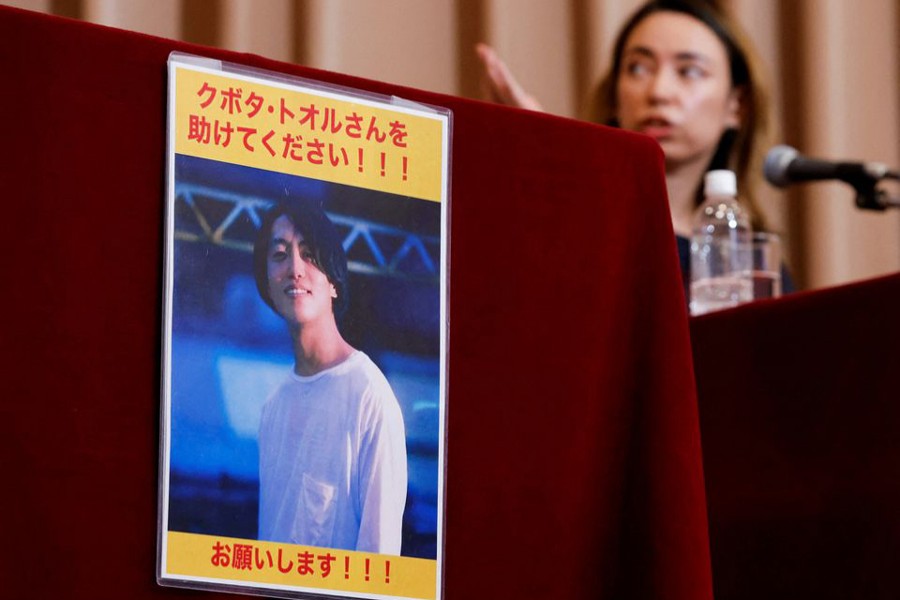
304 338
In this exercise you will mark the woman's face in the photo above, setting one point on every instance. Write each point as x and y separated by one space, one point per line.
299 289
675 86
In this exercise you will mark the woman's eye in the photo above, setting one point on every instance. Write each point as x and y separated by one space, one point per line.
279 255
692 72
636 68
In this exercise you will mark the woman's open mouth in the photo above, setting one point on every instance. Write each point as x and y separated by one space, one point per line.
656 127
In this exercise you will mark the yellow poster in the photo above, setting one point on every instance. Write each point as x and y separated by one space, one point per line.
304 342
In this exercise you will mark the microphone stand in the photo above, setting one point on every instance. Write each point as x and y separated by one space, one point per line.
870 197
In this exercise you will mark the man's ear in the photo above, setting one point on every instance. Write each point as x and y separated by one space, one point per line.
333 291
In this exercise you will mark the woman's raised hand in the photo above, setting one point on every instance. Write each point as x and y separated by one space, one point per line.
499 83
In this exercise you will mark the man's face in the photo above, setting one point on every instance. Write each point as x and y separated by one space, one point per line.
299 290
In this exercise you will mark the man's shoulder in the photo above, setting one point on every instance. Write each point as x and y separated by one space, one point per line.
366 373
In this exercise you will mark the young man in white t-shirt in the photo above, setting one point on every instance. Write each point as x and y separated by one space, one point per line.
332 445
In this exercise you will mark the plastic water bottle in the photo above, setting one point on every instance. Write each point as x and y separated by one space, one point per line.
721 248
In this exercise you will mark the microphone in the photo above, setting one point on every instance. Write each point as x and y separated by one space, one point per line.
784 166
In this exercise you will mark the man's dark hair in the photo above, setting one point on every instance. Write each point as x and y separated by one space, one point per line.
322 239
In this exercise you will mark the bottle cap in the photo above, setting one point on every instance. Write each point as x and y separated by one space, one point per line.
720 183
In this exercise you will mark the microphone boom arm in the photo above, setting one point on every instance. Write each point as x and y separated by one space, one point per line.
784 166
870 197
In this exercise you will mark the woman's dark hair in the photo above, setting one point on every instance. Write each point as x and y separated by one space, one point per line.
740 150
323 241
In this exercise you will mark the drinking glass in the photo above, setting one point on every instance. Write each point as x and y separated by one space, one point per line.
766 265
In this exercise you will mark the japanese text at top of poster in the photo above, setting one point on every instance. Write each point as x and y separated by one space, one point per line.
315 134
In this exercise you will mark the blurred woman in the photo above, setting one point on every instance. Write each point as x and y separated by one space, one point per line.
683 73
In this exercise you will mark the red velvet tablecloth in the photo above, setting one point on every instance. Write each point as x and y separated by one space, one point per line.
574 467
800 416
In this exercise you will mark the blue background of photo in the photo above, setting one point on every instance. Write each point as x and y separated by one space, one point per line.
229 350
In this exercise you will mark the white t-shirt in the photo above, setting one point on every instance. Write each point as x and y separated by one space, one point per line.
332 460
